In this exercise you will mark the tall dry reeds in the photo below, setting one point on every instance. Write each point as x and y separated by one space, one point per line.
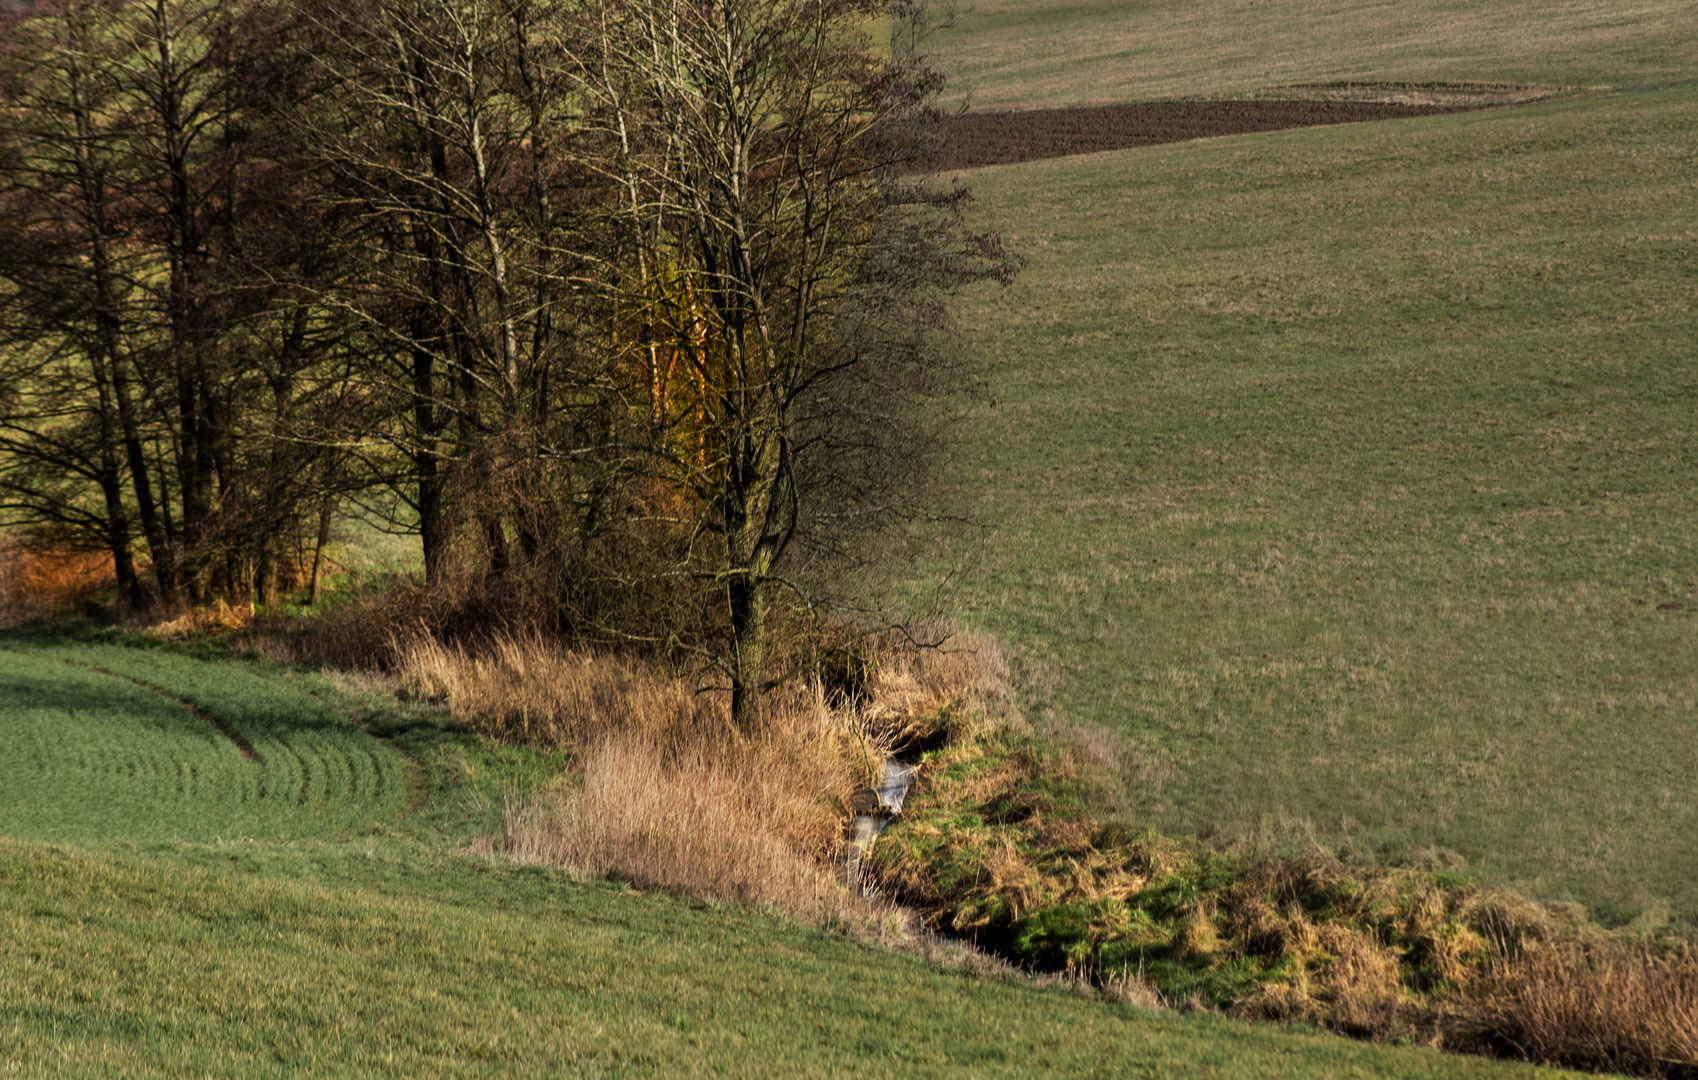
1624 1010
673 796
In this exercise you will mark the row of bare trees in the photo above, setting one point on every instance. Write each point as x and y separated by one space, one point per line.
637 299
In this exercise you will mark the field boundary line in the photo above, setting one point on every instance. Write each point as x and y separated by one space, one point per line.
414 772
222 726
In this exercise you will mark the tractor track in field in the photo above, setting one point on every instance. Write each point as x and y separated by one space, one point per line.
1005 138
218 724
212 719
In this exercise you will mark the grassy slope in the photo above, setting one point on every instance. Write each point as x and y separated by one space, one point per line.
95 752
1018 53
136 964
1350 476
389 952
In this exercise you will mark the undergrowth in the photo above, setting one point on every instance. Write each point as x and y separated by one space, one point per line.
998 845
663 791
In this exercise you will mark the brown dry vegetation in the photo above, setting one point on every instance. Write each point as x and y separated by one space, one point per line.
43 582
671 794
1629 1011
999 846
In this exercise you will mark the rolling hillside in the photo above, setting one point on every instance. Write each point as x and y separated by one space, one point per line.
1347 477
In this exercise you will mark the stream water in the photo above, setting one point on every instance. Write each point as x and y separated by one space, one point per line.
878 807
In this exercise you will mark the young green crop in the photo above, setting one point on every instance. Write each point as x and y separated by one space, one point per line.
107 741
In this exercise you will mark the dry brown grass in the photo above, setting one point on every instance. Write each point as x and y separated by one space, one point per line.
672 795
959 672
757 821
1627 1010
364 632
527 689
45 582
1381 954
214 617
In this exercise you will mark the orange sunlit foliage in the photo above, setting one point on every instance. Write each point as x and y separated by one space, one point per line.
40 582
684 350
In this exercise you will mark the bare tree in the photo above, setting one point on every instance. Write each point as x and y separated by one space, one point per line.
761 147
156 283
646 296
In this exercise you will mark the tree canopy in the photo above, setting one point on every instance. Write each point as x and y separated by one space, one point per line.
635 302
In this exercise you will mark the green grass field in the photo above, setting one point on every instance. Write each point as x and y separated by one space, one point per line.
1343 484
111 742
298 962
1020 54
1348 476
385 949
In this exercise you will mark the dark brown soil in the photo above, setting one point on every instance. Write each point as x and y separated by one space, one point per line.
1003 138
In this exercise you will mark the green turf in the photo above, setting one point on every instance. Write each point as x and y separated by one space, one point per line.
1021 53
1349 477
280 961
388 950
106 741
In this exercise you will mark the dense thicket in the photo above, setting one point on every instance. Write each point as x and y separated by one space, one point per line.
633 302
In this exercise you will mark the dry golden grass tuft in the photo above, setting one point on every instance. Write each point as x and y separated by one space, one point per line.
1464 967
44 582
526 689
216 616
922 696
1130 988
696 809
1627 1010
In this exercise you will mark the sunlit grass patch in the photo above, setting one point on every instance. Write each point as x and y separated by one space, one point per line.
117 742
1347 477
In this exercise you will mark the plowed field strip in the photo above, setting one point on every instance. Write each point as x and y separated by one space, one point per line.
1004 138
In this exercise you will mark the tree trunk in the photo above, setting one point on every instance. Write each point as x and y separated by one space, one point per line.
748 648
265 571
325 510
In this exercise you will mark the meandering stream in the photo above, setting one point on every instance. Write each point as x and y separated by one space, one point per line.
876 808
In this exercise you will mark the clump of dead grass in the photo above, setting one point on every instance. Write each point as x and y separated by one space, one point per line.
214 617
524 688
1626 1009
927 689
699 809
364 631
672 795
